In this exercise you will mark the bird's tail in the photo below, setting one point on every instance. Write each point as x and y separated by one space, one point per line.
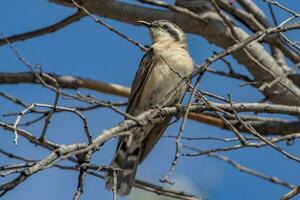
127 160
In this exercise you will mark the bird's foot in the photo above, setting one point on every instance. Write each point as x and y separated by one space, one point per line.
180 111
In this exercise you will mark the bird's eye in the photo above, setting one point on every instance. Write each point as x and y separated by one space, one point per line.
165 26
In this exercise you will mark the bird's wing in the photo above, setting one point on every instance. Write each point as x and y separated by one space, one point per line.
141 76
125 159
138 84
153 136
157 131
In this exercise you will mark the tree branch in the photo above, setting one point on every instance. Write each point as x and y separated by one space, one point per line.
264 127
68 82
43 31
212 28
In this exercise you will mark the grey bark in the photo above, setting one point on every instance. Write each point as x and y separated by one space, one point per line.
254 56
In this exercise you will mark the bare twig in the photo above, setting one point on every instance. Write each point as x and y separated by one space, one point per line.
239 146
97 20
245 169
138 183
292 193
58 108
49 115
43 31
174 8
180 134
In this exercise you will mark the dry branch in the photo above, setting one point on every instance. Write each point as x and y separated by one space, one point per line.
69 82
43 31
271 76
257 60
143 185
72 82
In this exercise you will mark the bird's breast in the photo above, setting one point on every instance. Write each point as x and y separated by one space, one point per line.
166 74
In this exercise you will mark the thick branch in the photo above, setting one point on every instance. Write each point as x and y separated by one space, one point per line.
250 107
138 183
73 82
264 127
121 130
69 82
255 58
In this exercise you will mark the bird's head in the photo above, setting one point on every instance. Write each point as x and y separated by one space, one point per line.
165 31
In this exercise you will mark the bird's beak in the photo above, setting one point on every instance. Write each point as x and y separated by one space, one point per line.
145 23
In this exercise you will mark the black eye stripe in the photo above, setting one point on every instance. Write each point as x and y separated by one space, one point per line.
172 30
175 34
166 26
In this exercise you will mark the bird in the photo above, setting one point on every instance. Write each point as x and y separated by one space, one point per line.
159 81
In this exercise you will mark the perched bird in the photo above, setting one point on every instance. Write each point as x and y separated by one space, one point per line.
159 81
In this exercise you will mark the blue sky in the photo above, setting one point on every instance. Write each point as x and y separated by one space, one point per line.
89 50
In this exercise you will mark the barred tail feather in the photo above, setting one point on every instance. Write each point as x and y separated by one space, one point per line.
127 162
